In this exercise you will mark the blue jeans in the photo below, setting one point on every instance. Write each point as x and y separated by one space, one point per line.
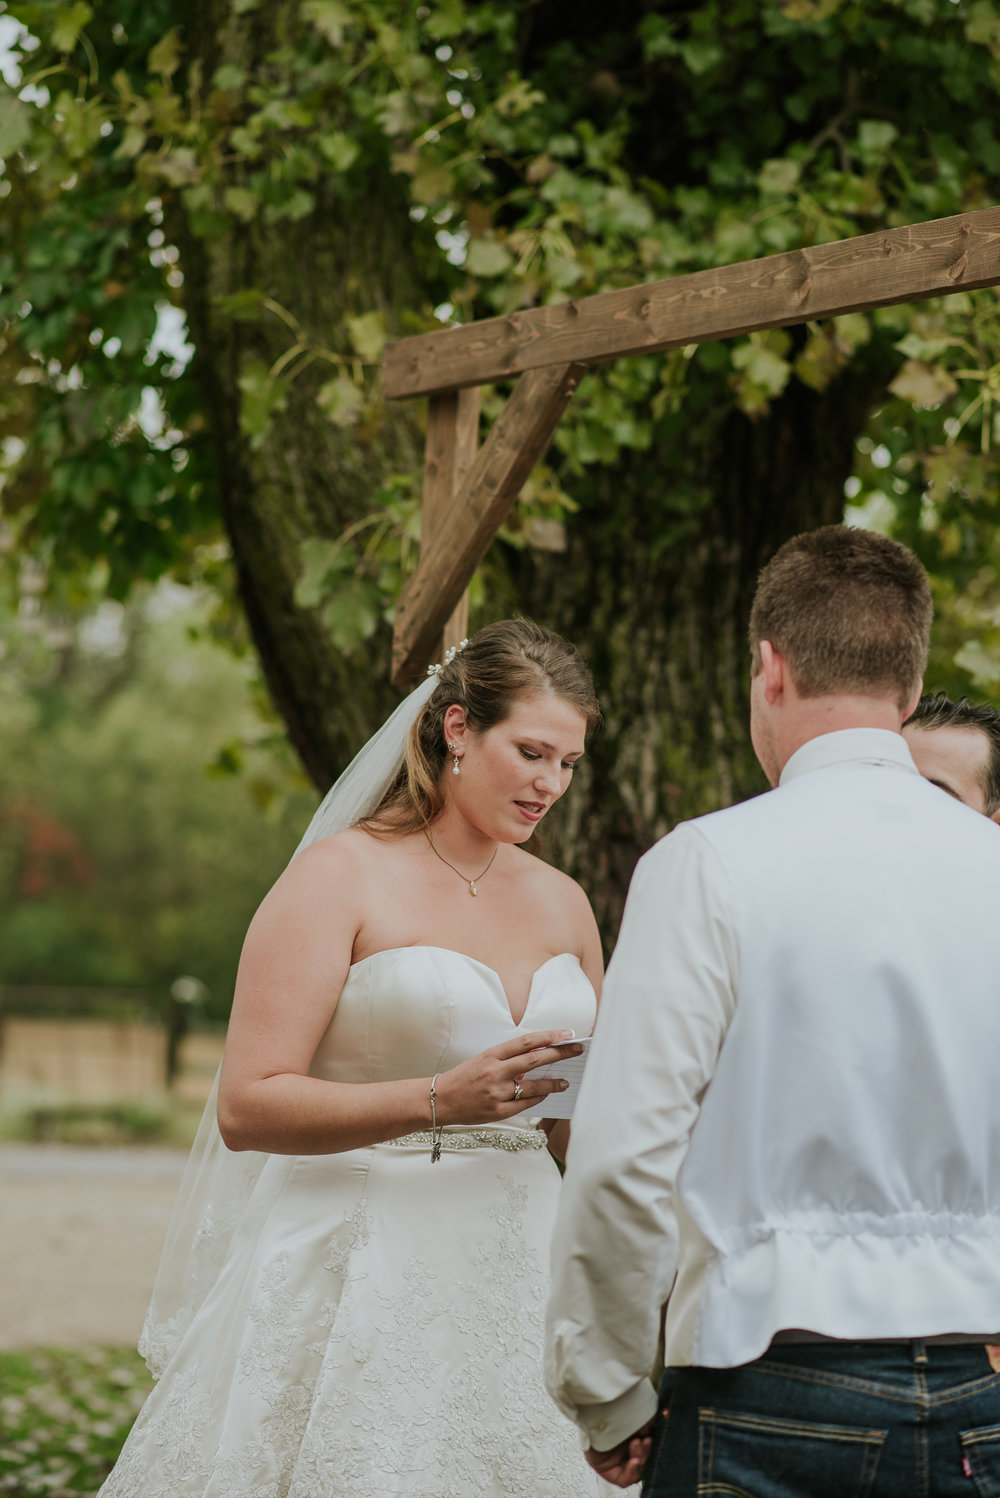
831 1420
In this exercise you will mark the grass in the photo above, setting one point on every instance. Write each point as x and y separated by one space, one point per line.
64 1417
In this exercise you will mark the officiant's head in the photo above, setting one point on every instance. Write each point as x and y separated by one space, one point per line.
839 633
512 681
956 745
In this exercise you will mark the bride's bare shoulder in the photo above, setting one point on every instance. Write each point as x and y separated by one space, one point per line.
546 875
345 853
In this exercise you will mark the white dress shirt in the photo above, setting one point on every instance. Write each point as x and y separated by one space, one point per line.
819 955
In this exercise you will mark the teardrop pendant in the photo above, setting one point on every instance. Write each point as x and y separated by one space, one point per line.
472 888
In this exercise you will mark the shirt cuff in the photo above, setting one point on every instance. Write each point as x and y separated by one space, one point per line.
607 1425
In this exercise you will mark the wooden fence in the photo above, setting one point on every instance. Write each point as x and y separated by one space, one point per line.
96 1044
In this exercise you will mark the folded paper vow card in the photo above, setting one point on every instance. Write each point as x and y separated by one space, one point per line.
561 1104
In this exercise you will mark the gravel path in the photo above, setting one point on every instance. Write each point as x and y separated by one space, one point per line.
80 1238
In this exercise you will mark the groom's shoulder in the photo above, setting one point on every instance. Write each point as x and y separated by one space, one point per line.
699 834
742 813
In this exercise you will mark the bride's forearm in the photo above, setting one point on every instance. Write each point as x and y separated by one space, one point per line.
287 1114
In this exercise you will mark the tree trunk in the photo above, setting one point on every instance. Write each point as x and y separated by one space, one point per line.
306 478
655 589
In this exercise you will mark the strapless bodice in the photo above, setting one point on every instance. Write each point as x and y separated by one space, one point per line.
410 1011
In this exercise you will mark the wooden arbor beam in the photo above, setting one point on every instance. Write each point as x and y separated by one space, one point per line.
551 347
461 538
849 275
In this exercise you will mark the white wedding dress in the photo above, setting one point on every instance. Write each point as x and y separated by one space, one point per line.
376 1326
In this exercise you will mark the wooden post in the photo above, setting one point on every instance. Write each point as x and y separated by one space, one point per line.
462 537
452 439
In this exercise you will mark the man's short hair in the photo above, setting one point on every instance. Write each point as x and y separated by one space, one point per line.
849 610
937 710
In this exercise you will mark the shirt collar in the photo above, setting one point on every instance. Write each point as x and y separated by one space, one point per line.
850 746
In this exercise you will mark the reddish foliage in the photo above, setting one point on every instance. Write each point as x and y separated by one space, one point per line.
53 855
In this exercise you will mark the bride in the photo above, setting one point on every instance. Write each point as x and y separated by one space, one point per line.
352 1294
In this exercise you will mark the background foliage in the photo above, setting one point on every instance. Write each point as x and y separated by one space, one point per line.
130 853
285 183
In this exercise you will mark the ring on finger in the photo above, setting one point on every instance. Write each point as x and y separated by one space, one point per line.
517 1092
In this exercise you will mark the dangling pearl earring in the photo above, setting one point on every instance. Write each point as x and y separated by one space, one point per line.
451 750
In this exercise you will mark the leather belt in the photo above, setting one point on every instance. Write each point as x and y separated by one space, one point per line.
793 1336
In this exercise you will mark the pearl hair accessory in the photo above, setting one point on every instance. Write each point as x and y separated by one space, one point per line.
449 656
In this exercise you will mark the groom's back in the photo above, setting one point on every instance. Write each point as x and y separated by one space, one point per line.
854 1105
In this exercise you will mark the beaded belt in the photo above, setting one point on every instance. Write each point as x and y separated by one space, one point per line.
474 1139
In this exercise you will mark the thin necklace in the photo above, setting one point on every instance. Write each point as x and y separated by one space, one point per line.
470 882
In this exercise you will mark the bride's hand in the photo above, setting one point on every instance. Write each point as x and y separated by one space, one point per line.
481 1090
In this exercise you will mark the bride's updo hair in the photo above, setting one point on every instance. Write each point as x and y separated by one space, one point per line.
503 661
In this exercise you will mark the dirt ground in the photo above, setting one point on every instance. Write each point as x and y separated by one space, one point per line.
80 1237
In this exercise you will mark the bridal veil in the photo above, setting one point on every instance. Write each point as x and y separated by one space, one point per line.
217 1183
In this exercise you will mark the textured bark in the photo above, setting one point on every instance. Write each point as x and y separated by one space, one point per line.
307 478
657 594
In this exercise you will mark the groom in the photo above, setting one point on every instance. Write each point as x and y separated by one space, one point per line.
789 1130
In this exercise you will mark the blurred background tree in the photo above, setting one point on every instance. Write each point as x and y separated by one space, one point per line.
213 216
130 853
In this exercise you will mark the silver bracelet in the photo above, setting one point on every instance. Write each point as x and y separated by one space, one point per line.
436 1129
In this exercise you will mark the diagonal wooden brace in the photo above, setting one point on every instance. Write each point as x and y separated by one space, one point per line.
462 537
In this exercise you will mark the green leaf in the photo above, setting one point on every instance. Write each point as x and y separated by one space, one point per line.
779 175
488 257
875 137
68 23
763 366
982 666
242 202
165 57
317 558
656 35
339 150
853 330
627 212
915 346
341 401
261 397
517 98
431 182
294 206
396 114
810 10
701 57
329 17
15 123
133 142
352 614
179 167
762 372
230 77
819 362
923 385
367 334
983 24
